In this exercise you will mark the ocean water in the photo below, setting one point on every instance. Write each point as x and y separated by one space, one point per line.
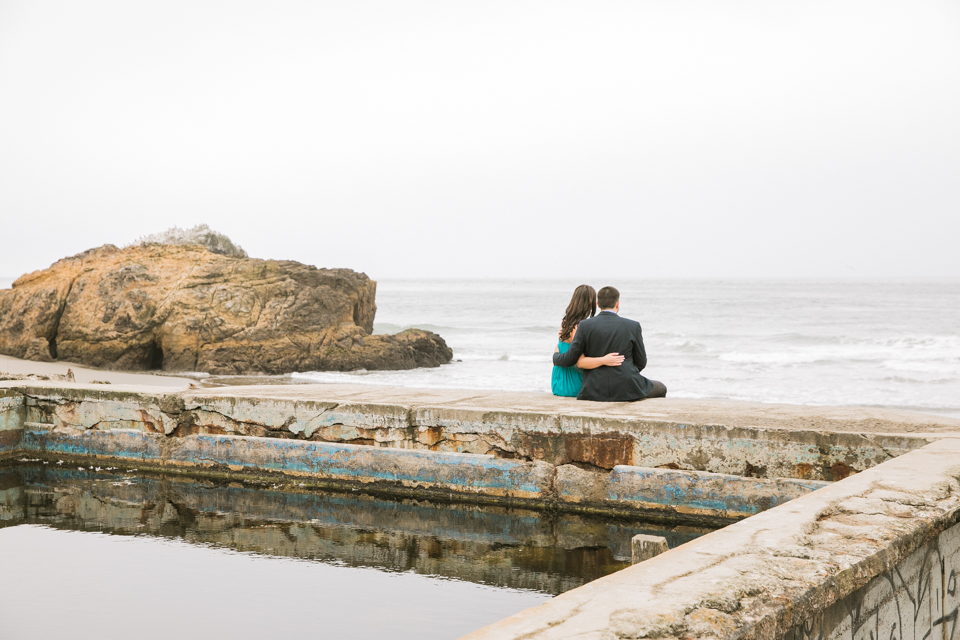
887 343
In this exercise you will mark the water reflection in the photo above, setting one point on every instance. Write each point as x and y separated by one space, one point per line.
513 548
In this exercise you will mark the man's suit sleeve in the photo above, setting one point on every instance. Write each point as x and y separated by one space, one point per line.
639 352
570 358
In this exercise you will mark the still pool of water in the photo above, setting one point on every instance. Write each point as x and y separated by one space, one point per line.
114 553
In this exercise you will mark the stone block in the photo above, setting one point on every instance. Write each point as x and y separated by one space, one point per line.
644 547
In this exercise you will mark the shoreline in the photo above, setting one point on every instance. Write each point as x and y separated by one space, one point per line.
196 380
86 375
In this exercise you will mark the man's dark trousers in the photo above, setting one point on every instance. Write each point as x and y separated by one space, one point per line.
609 333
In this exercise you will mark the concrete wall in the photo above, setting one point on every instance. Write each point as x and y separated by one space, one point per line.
12 414
512 456
918 598
452 422
689 496
873 556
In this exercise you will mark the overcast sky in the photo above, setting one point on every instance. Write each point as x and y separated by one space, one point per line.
476 139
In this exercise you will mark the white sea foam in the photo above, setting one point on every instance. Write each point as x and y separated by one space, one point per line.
924 366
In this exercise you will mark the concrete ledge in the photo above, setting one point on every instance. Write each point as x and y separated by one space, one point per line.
704 492
878 552
751 440
117 444
690 497
462 473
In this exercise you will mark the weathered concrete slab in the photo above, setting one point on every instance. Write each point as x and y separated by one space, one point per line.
118 444
704 492
685 495
11 410
12 413
720 470
836 563
644 546
464 473
675 410
692 497
98 407
768 441
764 441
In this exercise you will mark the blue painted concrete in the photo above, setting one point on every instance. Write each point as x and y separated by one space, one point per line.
704 491
358 462
130 444
692 492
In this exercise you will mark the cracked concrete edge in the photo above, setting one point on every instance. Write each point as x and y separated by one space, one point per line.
721 414
510 433
691 497
764 576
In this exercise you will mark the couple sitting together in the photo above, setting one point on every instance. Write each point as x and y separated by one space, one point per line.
600 358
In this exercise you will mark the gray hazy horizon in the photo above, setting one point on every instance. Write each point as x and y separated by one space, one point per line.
495 139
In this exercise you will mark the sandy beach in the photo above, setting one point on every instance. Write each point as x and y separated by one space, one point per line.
87 375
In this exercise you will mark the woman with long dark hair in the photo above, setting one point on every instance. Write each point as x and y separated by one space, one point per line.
567 380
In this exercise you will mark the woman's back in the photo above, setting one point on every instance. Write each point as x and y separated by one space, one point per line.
566 381
583 304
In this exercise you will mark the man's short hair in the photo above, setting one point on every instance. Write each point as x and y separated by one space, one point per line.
607 298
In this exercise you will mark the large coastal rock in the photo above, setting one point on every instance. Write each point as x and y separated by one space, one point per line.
185 308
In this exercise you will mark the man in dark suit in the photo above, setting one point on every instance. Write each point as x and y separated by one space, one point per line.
609 333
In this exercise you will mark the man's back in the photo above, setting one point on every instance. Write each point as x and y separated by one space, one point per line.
598 336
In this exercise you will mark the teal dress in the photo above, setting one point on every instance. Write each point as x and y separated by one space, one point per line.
566 380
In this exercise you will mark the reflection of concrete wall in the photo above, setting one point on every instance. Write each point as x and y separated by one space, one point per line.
12 500
515 548
875 556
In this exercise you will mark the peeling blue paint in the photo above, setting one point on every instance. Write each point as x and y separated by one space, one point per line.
357 462
129 444
705 491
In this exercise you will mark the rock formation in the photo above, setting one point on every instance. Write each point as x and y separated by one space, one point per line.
185 308
200 234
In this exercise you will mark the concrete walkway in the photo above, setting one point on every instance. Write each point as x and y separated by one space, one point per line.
729 413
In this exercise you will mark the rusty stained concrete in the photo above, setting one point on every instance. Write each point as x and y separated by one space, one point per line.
692 497
752 440
874 556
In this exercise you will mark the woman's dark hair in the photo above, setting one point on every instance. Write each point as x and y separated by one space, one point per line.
582 305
